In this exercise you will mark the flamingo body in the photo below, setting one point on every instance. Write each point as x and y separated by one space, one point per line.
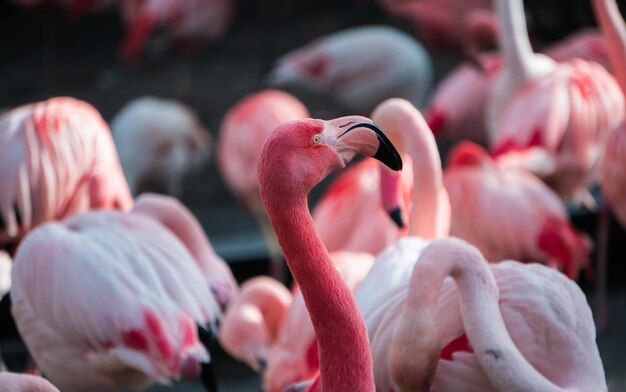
10 382
360 67
159 140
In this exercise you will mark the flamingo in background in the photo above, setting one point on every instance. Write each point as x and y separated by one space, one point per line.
359 67
179 220
510 214
190 21
159 140
295 158
11 382
251 323
57 159
131 323
294 356
244 128
552 117
495 322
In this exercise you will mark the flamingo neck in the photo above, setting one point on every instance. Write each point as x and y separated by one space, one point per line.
345 358
614 32
505 366
514 41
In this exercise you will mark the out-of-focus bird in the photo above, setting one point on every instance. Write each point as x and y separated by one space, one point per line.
184 22
360 67
294 356
251 323
6 265
295 158
451 115
350 215
159 141
458 323
12 382
244 128
109 299
510 214
553 116
57 159
179 220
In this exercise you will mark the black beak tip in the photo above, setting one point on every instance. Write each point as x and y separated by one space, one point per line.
397 217
386 153
262 362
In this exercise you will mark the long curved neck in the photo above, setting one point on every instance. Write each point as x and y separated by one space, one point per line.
345 358
514 42
505 366
614 32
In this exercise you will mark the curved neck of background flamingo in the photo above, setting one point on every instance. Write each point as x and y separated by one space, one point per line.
614 32
345 358
484 326
429 215
514 42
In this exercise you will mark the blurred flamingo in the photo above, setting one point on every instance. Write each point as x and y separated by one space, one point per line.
295 158
359 67
179 220
159 141
294 356
553 117
243 130
510 214
491 327
251 323
11 382
57 159
190 22
131 323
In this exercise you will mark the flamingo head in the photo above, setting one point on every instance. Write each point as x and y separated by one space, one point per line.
299 154
391 195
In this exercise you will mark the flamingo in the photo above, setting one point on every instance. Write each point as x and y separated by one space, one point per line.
510 214
251 323
451 115
553 117
108 299
159 140
495 322
350 216
57 159
359 67
296 157
294 357
11 382
244 128
202 21
179 220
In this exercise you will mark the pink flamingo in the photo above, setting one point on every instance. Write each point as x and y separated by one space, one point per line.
243 130
198 21
359 67
294 356
295 158
179 220
11 382
451 115
495 322
350 216
563 110
57 159
510 214
251 323
159 141
131 323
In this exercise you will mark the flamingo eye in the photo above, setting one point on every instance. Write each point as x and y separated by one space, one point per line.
317 138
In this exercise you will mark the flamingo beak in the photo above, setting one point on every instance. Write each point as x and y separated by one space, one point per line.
391 195
397 217
367 139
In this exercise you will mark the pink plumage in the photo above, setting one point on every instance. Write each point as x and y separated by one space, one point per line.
57 158
159 141
510 214
109 299
11 382
190 21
